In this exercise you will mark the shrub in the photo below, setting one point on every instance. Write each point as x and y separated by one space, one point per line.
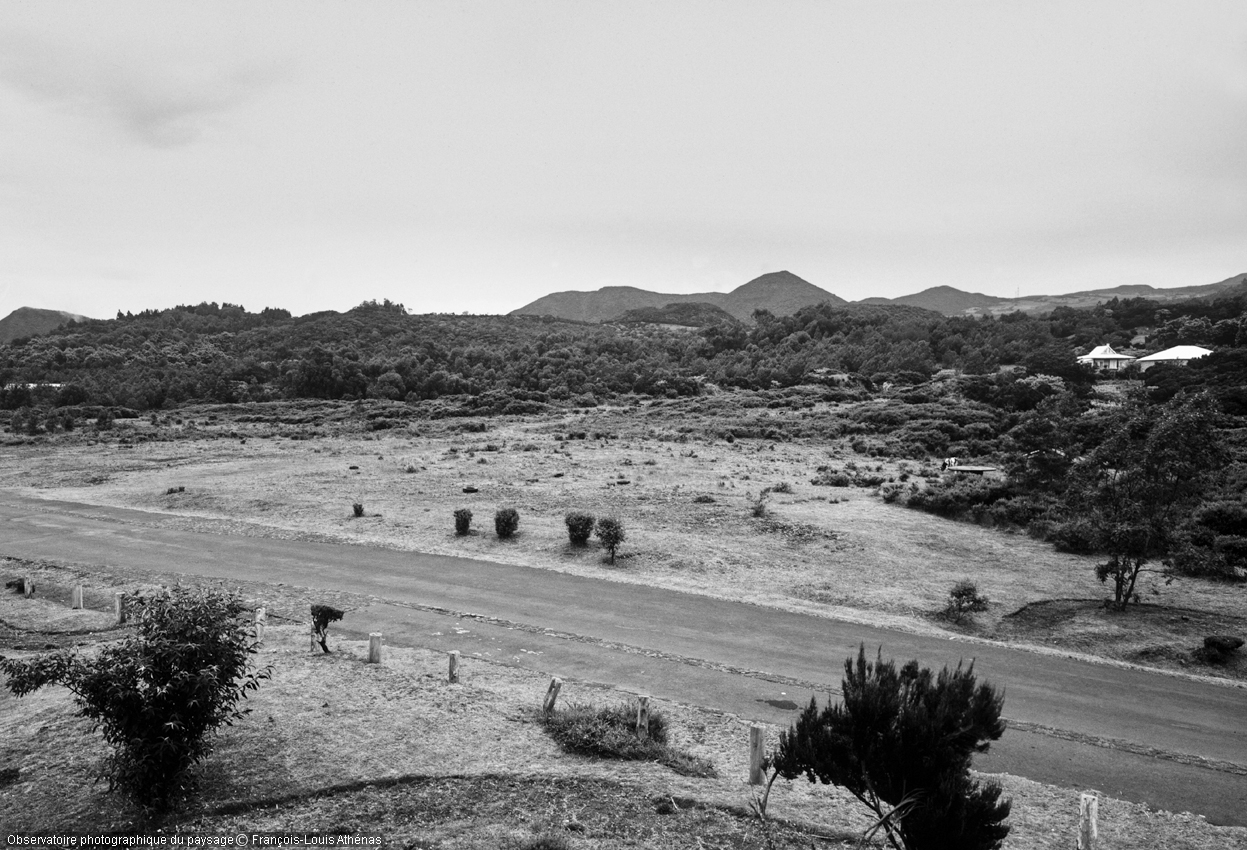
610 732
322 616
828 477
463 521
506 521
901 743
781 487
757 507
705 499
358 508
964 599
159 695
611 534
579 527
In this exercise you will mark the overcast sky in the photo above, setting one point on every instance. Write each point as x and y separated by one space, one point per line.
473 156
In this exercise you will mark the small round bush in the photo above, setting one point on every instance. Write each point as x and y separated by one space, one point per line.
463 521
579 527
358 508
506 521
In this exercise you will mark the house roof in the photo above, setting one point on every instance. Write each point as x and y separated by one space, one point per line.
1178 352
1104 352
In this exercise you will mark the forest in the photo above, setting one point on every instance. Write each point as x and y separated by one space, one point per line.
515 364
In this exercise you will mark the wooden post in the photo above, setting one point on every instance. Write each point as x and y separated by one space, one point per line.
75 597
374 647
1088 811
28 587
642 715
454 666
757 752
261 620
312 635
119 600
552 694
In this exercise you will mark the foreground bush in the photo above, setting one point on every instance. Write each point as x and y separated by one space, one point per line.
579 527
158 696
610 732
901 743
463 521
506 522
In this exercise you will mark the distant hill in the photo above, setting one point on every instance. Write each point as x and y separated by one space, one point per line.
955 302
782 293
31 321
693 314
941 299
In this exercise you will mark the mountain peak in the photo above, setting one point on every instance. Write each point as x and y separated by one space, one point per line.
31 321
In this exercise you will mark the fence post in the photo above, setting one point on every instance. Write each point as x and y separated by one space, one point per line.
28 587
1088 811
552 694
642 715
119 600
75 597
374 647
453 672
261 620
757 753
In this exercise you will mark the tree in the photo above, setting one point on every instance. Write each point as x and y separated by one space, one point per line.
902 743
1143 481
611 534
158 696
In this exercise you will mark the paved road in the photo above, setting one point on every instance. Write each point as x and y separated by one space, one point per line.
1174 743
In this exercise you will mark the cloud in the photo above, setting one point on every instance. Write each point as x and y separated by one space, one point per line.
160 101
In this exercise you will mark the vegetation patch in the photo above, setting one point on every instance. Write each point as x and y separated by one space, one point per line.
611 732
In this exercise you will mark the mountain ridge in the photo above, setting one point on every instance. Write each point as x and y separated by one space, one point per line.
783 293
31 321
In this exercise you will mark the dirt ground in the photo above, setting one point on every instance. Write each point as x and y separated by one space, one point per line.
334 744
685 496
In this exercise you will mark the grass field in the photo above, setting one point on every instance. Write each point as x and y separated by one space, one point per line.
686 502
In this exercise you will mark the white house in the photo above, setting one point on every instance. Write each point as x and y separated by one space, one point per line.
1179 355
1104 358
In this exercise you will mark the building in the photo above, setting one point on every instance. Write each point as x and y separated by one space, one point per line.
1103 358
1179 355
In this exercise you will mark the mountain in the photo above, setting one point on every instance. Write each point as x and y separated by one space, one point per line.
1092 297
692 314
941 299
31 321
782 293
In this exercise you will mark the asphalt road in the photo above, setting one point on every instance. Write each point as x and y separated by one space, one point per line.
1172 742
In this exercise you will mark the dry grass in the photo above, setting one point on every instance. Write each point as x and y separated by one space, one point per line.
335 744
836 552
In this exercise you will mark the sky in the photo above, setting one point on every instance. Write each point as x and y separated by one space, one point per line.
472 156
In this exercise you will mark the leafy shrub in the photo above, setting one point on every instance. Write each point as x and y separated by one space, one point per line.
579 527
610 534
828 477
358 508
757 507
506 522
463 521
704 499
781 487
610 732
322 616
901 743
159 695
964 598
